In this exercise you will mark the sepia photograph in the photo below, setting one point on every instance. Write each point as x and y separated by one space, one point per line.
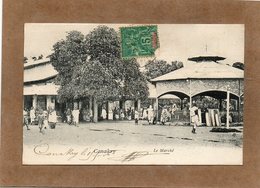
133 94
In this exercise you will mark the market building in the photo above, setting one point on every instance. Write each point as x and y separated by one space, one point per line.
203 76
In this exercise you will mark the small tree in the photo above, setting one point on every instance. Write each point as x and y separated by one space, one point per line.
25 60
40 57
238 65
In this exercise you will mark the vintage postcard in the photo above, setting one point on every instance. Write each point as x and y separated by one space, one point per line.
133 94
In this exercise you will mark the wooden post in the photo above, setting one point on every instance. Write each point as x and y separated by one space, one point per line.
157 109
34 101
95 111
90 103
228 98
138 105
190 99
238 108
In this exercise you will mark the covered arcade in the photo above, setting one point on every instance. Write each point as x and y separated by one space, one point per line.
204 76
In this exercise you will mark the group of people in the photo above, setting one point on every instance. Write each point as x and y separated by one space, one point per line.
124 114
39 116
165 114
72 116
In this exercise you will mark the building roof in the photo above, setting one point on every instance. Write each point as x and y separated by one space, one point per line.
39 71
49 89
202 70
206 58
32 63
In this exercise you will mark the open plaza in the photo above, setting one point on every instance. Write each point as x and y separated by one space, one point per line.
204 147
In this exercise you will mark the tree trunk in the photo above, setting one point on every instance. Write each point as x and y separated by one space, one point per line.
95 111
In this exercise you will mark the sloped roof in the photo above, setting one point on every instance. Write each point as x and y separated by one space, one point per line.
32 63
203 70
49 89
40 71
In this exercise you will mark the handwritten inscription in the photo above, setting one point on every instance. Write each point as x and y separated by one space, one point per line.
91 154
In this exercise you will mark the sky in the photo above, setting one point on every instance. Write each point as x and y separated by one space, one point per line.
177 41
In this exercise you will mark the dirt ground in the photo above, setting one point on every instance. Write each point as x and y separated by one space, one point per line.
127 133
204 147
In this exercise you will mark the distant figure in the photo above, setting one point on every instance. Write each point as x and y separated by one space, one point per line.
117 111
164 115
75 116
68 115
194 117
26 119
104 113
150 114
45 119
85 114
32 115
122 114
40 119
52 117
173 110
136 116
145 114
90 115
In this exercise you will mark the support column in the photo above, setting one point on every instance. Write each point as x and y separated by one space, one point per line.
34 101
110 110
90 103
95 111
190 108
49 102
156 108
228 98
238 108
138 105
220 104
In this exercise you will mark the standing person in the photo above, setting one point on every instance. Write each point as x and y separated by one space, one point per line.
122 114
45 119
75 116
150 114
136 116
174 108
164 115
117 113
52 118
194 117
68 115
85 114
32 115
40 119
128 111
104 113
90 115
26 119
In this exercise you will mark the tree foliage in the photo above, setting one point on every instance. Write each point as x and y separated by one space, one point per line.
155 68
25 60
68 54
91 67
238 65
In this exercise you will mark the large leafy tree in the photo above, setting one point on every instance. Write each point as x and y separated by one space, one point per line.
91 67
68 54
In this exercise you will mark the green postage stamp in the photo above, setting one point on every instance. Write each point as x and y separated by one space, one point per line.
139 41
